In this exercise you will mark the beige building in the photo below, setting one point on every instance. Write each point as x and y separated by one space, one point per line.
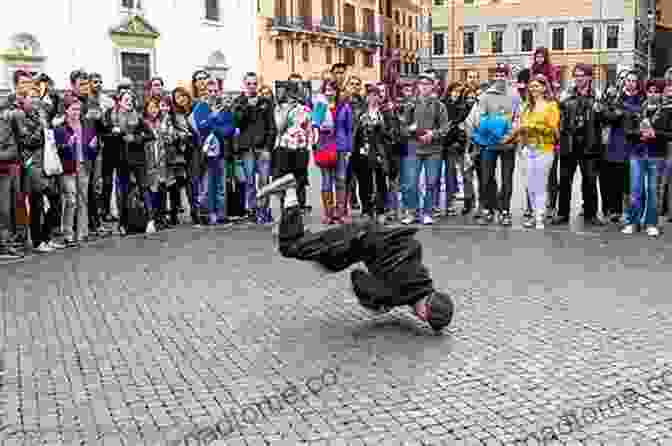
477 34
308 36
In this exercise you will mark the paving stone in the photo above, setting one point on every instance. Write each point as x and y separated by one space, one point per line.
243 321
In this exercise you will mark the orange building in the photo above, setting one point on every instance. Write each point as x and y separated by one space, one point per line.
308 36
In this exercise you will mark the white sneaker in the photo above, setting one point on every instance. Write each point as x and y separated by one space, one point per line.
55 245
151 227
427 220
381 219
652 231
409 218
44 248
628 229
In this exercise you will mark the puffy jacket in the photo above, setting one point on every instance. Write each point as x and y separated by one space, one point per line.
256 123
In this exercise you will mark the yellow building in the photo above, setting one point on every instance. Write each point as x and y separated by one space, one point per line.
308 36
477 34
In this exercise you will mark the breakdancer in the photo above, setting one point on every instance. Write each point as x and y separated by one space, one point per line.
393 257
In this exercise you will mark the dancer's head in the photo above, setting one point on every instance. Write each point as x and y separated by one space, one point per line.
441 309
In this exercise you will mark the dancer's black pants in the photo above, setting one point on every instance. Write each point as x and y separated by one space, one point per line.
392 255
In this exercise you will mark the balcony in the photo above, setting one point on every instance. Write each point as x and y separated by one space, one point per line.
304 24
358 39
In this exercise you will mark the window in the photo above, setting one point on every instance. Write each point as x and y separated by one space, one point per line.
306 12
396 17
388 9
349 19
497 41
612 36
279 49
305 52
439 47
368 59
280 9
526 40
469 42
136 67
349 56
327 8
587 38
468 2
130 4
328 55
558 39
212 10
398 41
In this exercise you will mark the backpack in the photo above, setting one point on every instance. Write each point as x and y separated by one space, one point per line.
138 217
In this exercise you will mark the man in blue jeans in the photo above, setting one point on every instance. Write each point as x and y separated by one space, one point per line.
425 125
489 125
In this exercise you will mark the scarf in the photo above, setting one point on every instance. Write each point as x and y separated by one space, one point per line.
127 121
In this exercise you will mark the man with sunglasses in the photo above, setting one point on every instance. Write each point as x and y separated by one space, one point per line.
580 146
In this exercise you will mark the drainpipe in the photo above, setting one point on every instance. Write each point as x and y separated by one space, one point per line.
292 37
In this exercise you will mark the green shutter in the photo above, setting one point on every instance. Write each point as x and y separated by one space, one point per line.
486 41
265 8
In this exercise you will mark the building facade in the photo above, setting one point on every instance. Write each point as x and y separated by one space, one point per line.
663 40
308 36
136 39
477 34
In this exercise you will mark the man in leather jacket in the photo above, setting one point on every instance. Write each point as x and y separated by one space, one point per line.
580 145
358 104
396 275
20 134
256 121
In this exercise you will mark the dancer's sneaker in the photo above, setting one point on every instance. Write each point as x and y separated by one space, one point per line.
277 186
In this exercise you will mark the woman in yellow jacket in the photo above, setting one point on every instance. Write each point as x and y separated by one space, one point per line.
538 132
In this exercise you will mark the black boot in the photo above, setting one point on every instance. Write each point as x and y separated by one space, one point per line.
468 206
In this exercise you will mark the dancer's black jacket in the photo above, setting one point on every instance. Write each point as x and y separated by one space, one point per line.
392 256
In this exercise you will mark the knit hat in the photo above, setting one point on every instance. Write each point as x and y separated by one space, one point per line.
441 309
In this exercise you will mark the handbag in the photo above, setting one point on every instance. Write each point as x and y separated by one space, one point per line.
325 158
52 162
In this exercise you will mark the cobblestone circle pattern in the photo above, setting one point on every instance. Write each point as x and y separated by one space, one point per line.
140 341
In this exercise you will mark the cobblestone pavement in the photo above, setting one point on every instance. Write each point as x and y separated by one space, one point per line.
144 340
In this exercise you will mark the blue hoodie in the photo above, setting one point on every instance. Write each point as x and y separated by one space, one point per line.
220 124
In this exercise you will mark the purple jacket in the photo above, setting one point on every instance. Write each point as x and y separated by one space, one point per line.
68 152
344 128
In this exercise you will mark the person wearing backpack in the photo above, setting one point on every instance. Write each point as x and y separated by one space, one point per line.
426 126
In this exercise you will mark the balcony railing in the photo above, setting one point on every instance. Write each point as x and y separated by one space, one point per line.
358 39
313 24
